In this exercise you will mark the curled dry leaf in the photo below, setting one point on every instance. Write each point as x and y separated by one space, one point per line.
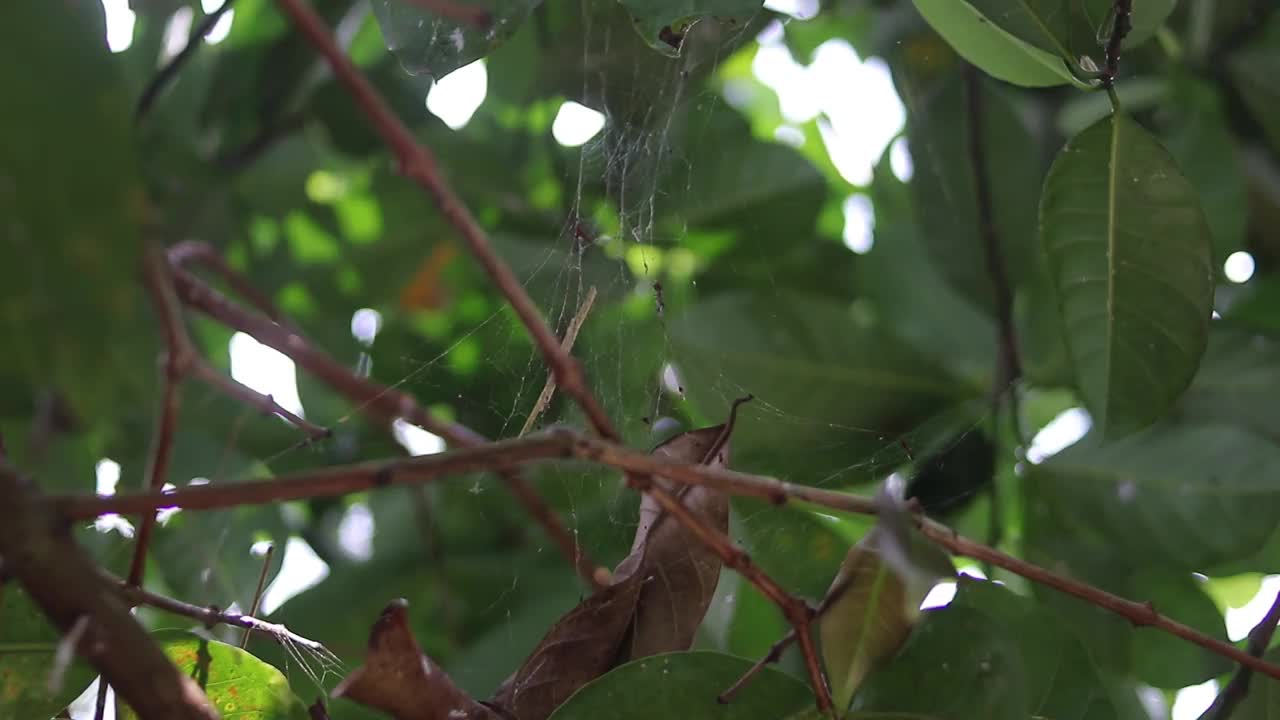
660 593
875 598
679 573
402 682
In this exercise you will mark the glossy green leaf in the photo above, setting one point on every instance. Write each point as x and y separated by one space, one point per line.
992 46
664 23
238 684
1129 252
944 180
815 372
72 200
437 44
28 644
1254 69
1179 495
686 685
991 654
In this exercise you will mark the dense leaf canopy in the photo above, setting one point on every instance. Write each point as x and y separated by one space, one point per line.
1016 257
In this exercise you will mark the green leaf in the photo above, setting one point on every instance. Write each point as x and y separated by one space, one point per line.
28 644
685 685
990 654
1254 69
1180 496
72 203
994 48
664 23
1129 252
1238 382
1165 661
806 360
943 185
238 684
427 42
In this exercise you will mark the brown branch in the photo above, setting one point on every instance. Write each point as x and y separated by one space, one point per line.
1122 24
1238 688
570 337
61 579
265 404
1140 614
562 443
379 402
417 163
326 482
191 252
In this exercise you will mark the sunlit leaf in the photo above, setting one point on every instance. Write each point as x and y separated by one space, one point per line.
28 645
1129 253
997 49
685 685
238 684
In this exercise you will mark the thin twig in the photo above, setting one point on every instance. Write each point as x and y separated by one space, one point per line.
570 337
1238 688
257 593
167 73
190 252
419 164
210 616
381 403
1122 24
254 399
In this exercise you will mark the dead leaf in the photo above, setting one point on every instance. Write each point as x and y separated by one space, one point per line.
427 290
659 595
679 572
877 596
402 682
580 647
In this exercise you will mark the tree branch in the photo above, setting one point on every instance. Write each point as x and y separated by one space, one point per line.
326 482
38 550
417 163
1238 688
1122 24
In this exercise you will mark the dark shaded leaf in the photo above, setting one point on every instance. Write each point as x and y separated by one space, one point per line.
399 680
664 23
993 654
73 203
951 478
685 685
1254 69
1129 253
1263 700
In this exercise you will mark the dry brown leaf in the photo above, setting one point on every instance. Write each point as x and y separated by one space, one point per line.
679 572
402 682
580 647
659 595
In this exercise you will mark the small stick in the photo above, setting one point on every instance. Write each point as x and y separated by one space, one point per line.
66 653
570 337
257 594
167 73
